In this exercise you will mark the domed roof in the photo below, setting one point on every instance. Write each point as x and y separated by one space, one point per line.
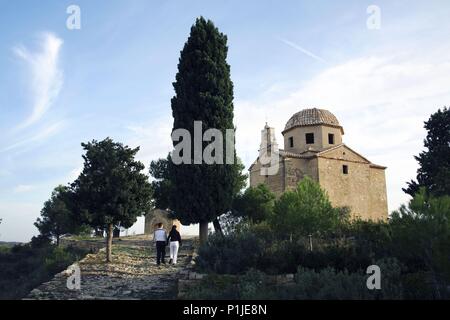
311 117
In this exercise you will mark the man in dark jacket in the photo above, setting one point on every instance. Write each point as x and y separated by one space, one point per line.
160 238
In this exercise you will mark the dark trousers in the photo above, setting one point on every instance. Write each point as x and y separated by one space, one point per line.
160 252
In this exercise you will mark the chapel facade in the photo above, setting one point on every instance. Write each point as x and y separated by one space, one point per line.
313 147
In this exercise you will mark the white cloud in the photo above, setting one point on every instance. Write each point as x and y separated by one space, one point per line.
153 138
46 76
303 50
23 188
4 173
39 137
381 102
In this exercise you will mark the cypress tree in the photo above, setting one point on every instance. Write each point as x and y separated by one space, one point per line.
203 92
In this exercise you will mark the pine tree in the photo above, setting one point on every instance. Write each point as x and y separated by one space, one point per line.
434 170
203 92
256 203
111 190
57 219
161 186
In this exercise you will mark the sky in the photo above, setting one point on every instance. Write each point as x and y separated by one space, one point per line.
382 73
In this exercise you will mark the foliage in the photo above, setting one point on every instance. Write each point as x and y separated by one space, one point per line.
258 247
422 237
250 286
203 92
111 190
229 222
327 283
434 163
214 287
256 203
25 267
233 253
4 248
412 249
330 283
56 217
371 239
161 185
305 210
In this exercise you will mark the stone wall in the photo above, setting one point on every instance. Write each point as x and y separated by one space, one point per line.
159 216
187 279
363 189
378 196
297 169
276 183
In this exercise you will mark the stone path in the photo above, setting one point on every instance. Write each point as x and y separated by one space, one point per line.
133 274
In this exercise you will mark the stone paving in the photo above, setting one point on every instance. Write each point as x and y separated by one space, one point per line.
133 274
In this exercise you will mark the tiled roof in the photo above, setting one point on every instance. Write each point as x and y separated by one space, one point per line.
308 117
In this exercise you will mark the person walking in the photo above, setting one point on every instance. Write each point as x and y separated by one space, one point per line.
160 239
174 241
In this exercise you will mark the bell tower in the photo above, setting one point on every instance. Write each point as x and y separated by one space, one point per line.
268 140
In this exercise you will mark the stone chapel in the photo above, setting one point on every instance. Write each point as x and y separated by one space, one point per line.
313 147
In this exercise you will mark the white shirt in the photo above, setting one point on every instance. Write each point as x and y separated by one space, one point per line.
160 235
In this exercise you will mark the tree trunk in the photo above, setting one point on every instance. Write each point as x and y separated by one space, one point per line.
203 228
217 226
57 240
109 238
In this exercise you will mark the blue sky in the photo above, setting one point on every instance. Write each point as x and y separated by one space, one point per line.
113 77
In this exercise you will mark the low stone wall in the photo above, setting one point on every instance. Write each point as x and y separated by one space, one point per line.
93 246
188 278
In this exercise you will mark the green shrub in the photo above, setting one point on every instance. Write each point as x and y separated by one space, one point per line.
306 210
214 287
256 203
234 253
325 284
414 244
25 267
421 239
331 284
250 286
417 286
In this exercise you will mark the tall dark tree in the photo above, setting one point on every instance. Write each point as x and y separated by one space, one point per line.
163 193
434 170
111 190
161 186
203 92
57 219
